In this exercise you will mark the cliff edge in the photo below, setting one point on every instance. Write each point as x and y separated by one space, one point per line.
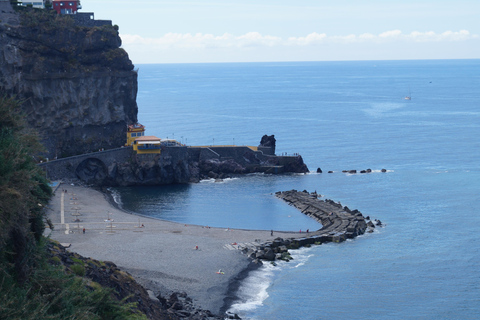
77 86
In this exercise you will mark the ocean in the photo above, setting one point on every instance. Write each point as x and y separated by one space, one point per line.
423 264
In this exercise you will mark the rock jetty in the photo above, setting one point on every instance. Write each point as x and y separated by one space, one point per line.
338 224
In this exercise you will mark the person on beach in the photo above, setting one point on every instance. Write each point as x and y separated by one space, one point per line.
271 233
83 230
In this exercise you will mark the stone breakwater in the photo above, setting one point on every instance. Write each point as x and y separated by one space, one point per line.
338 224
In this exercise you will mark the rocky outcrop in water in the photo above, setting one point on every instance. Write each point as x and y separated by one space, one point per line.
77 85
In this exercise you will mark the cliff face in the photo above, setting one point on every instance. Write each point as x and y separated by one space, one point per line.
77 85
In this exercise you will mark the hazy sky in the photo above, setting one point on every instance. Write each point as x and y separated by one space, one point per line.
301 30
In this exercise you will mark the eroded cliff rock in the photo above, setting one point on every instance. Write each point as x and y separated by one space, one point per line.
168 168
77 85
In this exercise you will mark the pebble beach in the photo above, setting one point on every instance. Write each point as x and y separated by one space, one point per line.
163 256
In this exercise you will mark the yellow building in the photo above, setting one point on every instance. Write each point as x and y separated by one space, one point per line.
141 143
147 144
133 132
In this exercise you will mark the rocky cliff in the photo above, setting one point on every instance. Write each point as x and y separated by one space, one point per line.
77 85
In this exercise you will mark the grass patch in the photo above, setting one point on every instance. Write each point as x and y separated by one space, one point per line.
78 269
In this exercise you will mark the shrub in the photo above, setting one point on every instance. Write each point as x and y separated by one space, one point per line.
55 260
78 269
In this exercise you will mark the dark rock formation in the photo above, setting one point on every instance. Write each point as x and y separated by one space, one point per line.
123 167
151 170
91 171
78 86
296 166
213 168
268 141
107 274
267 144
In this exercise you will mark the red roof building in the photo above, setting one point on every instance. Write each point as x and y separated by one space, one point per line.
66 7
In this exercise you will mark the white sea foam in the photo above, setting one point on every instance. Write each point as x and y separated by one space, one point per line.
300 256
253 290
218 180
116 196
229 179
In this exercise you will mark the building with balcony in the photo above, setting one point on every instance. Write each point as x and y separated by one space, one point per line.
141 143
66 7
147 144
134 131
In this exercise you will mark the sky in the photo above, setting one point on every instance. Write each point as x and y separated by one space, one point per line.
302 30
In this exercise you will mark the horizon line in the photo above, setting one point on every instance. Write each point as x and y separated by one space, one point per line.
309 61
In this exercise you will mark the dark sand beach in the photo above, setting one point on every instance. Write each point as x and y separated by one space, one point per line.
161 255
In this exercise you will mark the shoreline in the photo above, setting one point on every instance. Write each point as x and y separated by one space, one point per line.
162 256
234 284
206 263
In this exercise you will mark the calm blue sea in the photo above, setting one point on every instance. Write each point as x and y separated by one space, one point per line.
424 264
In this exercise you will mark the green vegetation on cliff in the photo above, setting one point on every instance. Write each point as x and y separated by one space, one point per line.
32 285
24 192
72 48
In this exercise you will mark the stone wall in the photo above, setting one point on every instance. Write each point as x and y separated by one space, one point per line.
66 168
